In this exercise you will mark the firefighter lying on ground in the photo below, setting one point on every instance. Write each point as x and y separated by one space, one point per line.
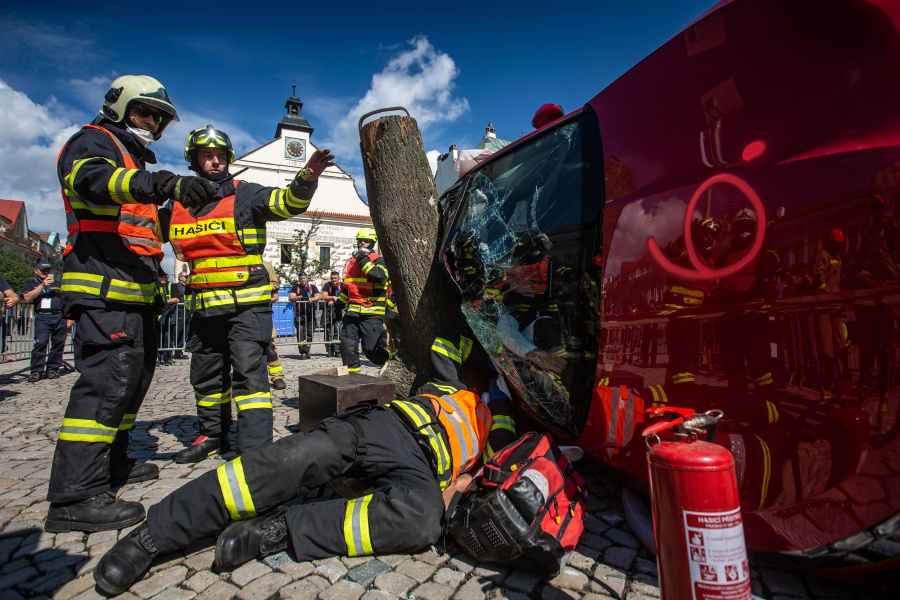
231 323
406 454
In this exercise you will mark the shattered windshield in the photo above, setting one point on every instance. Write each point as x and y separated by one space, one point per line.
523 250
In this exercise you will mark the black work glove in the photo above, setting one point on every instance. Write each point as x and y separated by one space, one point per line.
190 191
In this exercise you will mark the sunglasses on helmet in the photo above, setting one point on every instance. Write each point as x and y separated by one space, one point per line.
143 111
209 137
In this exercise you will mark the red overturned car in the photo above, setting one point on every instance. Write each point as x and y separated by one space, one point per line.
717 229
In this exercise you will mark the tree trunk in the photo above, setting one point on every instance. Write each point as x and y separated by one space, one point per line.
404 207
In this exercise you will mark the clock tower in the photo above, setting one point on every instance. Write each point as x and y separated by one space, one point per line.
294 130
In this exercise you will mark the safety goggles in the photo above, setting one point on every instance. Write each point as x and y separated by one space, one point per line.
208 138
144 111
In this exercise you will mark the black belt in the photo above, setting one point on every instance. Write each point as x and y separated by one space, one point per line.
48 312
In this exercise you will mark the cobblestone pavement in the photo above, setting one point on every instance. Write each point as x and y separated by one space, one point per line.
609 563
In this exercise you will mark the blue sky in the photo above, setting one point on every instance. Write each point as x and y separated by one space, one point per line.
456 66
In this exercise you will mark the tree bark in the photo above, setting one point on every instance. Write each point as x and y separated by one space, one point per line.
405 213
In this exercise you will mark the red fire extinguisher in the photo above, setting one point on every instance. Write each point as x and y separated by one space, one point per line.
700 548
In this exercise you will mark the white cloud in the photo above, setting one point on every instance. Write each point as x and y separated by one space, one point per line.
662 219
420 79
32 136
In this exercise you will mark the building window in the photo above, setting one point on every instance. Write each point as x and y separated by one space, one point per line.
325 255
285 254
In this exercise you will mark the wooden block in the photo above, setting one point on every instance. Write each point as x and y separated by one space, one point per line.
323 395
336 371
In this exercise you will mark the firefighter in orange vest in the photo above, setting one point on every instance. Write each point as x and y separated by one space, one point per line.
683 335
231 312
110 288
365 296
405 453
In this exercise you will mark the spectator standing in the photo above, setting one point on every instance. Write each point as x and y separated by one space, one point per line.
49 325
330 292
276 373
304 295
8 301
167 323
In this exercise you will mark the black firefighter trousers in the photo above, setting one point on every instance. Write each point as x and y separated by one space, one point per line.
228 361
115 353
371 331
401 511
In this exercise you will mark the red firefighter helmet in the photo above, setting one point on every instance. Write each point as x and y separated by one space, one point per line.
837 235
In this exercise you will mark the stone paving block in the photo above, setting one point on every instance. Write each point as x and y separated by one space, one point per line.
33 548
591 540
297 570
201 561
302 590
74 587
579 561
392 560
278 559
221 590
87 566
354 561
608 580
522 581
343 590
60 562
569 578
48 583
433 557
395 583
594 525
93 594
645 586
619 557
647 566
165 561
147 588
593 596
15 565
264 587
495 573
623 539
416 569
332 570
175 594
432 591
378 595
366 573
201 580
248 572
17 578
475 588
69 536
101 537
449 577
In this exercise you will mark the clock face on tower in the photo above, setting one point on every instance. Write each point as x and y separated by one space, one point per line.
294 149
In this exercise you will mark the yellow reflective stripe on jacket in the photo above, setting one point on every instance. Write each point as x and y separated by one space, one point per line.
686 377
765 379
79 203
127 421
365 310
444 388
257 400
227 261
211 298
355 280
256 294
131 291
86 283
76 166
85 430
213 399
422 422
218 277
450 350
295 202
252 236
235 490
503 422
766 471
119 186
277 203
356 527
202 227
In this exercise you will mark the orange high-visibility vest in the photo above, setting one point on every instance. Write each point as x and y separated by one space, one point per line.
360 289
623 410
467 422
212 244
137 224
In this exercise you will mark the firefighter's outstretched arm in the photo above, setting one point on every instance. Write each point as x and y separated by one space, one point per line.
278 204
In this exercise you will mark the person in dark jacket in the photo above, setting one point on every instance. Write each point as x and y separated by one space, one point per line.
49 325
110 289
230 291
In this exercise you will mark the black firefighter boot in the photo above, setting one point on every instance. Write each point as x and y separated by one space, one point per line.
204 447
243 541
126 562
124 470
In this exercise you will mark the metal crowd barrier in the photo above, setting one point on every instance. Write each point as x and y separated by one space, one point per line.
17 333
175 322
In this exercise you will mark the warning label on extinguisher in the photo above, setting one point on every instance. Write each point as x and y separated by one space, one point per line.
718 555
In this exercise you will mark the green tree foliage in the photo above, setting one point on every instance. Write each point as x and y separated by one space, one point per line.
15 269
301 261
